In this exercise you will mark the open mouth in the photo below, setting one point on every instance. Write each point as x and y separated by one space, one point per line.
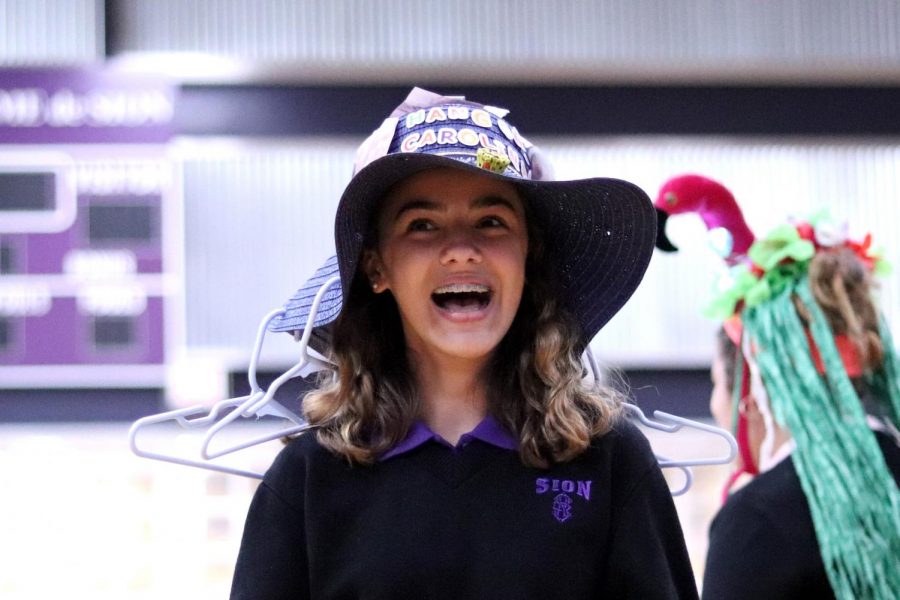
462 297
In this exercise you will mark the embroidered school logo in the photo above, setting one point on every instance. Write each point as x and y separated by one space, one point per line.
562 507
562 499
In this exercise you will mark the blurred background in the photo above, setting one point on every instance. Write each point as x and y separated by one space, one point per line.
169 171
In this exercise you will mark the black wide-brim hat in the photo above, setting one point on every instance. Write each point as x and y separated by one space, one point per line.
598 234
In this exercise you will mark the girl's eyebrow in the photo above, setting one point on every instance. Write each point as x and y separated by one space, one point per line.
493 201
423 204
416 204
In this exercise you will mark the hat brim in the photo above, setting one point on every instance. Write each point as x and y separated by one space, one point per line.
295 317
599 233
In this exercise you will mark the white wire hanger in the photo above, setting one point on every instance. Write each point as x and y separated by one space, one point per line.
258 403
670 423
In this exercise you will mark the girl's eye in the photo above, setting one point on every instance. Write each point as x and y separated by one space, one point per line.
488 222
420 225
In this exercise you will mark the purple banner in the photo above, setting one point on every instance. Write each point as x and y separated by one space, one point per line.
84 106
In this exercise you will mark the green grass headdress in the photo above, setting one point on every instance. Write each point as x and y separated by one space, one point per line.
854 502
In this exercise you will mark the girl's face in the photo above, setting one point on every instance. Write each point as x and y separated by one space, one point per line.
452 249
720 404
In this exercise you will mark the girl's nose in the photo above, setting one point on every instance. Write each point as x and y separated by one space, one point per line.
460 247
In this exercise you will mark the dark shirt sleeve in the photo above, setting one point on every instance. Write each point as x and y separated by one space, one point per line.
272 562
648 558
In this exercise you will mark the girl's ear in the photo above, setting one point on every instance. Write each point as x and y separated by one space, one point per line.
373 268
749 408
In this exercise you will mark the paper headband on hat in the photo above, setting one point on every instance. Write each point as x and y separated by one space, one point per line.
450 126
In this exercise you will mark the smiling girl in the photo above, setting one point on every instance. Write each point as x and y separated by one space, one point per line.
457 452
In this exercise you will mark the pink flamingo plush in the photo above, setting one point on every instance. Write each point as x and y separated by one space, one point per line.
713 202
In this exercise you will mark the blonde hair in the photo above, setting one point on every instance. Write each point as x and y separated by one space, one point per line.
534 380
554 413
842 287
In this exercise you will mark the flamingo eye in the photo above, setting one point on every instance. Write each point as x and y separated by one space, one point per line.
671 198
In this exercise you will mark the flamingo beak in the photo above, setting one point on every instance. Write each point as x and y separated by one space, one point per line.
662 240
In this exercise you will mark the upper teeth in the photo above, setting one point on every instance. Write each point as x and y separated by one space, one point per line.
459 288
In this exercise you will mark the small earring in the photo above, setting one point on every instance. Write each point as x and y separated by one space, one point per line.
374 286
744 407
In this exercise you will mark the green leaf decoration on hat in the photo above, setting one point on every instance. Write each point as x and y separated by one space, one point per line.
782 243
782 256
760 292
779 278
882 266
733 287
779 260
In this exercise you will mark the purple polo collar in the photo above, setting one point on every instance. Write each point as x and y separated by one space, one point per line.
488 431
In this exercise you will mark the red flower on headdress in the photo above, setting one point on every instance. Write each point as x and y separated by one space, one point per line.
861 249
807 232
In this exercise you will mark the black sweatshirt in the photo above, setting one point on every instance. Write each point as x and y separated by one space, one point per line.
762 544
469 522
